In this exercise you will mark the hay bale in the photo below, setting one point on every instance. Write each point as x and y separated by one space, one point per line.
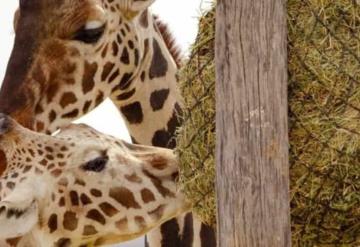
196 137
324 100
324 114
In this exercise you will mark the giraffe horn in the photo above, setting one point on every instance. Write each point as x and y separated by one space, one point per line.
131 8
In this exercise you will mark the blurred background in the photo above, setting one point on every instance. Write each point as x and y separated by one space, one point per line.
182 18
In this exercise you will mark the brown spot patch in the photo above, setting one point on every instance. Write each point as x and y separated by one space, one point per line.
133 113
96 216
108 67
86 106
124 196
115 48
108 209
158 162
62 202
39 109
134 178
99 98
52 116
89 230
104 51
13 241
161 138
85 200
63 242
127 95
74 197
67 99
147 196
175 121
159 65
88 77
136 57
10 185
52 223
158 99
114 76
70 221
142 76
125 81
73 114
79 181
125 56
96 193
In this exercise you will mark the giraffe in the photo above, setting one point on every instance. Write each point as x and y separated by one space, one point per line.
80 52
83 188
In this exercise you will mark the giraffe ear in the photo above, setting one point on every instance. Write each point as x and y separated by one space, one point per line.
18 214
132 8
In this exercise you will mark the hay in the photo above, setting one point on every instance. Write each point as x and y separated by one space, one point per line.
324 115
196 138
324 99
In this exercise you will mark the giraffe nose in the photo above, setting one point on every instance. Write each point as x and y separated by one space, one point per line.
5 123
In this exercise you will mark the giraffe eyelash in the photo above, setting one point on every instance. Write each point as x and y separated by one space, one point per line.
89 36
96 165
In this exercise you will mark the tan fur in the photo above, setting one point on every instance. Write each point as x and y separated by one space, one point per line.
86 217
37 93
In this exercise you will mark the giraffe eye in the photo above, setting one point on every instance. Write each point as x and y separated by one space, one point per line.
96 165
90 33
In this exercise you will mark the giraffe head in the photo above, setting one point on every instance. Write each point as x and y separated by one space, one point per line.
69 55
83 187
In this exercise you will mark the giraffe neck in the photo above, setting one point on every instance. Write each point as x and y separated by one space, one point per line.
152 104
151 109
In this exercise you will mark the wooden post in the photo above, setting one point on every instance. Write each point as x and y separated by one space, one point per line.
252 131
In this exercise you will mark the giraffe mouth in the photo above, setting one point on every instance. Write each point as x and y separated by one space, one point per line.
17 218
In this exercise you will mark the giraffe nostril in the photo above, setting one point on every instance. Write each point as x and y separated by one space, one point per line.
5 123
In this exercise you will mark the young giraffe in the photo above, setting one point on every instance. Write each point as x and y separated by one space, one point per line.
80 52
83 188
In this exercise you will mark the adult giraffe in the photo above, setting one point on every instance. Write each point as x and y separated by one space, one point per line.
69 55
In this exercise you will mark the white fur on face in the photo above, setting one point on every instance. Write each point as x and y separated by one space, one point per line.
93 25
15 225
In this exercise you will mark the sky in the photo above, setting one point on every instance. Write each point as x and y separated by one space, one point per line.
181 16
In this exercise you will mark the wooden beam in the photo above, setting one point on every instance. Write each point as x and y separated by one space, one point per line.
252 130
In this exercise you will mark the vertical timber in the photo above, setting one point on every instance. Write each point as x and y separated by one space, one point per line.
252 128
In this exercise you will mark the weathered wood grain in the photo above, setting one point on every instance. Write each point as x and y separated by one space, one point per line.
252 131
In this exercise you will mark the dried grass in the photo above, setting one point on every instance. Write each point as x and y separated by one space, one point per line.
196 139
